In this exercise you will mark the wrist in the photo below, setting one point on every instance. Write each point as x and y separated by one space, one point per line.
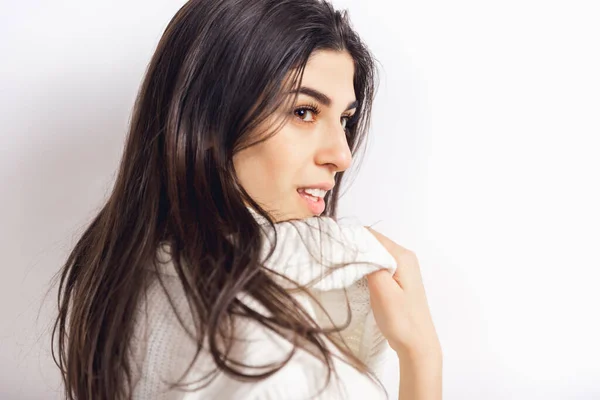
430 355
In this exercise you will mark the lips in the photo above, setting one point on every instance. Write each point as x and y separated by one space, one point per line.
316 205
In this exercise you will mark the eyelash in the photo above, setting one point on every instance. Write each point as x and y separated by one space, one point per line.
314 108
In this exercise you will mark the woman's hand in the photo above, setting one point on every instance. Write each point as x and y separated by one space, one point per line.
400 306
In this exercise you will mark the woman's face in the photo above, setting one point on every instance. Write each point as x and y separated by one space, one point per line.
310 148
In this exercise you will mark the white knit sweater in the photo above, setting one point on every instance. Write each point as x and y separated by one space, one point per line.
305 250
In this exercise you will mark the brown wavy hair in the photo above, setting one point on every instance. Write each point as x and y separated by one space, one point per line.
221 68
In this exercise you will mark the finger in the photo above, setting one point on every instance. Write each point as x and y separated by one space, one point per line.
382 282
408 271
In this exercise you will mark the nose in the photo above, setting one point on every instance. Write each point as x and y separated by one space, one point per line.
334 150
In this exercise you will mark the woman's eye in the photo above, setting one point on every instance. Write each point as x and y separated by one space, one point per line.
302 114
345 122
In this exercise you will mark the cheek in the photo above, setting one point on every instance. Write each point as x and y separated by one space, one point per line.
282 155
271 170
277 168
265 170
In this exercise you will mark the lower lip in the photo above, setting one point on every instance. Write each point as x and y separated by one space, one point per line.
315 207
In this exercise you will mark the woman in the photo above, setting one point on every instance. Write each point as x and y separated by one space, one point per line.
217 269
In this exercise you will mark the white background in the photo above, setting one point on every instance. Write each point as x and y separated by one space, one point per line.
484 159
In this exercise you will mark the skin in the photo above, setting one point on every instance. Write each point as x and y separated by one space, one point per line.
310 148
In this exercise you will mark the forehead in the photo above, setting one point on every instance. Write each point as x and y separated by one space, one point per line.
331 72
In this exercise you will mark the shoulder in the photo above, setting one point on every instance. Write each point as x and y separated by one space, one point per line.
164 350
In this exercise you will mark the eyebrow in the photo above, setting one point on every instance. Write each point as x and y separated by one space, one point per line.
322 97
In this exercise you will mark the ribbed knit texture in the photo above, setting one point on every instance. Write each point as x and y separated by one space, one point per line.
305 251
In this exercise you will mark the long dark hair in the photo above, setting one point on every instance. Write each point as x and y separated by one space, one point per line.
221 68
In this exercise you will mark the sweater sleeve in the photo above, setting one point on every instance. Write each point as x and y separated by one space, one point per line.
311 247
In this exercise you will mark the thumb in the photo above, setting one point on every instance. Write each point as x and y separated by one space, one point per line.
382 285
